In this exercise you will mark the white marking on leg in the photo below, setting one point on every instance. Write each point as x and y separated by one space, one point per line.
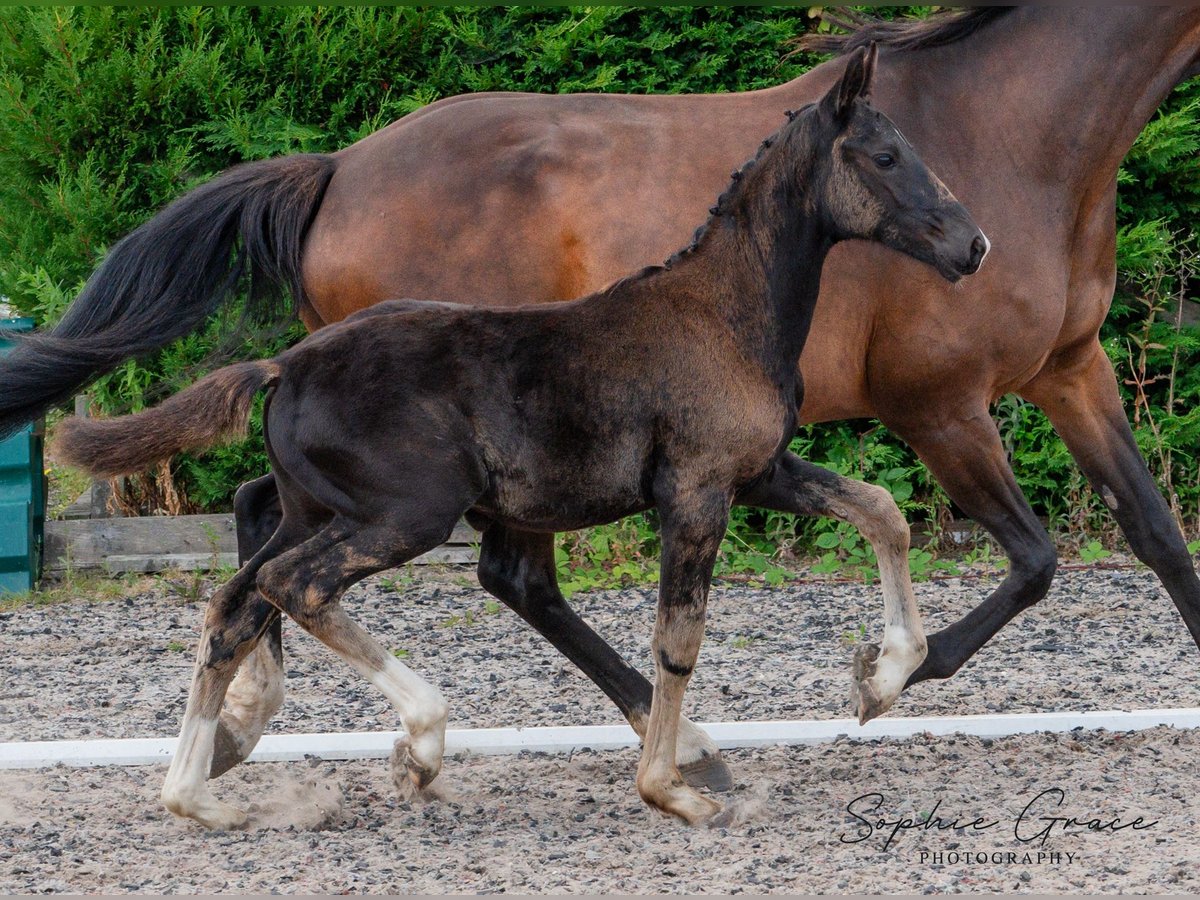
677 636
903 647
422 708
424 712
185 791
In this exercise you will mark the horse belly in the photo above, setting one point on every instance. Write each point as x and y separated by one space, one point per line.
562 492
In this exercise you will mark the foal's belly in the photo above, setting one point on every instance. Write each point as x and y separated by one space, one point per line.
562 506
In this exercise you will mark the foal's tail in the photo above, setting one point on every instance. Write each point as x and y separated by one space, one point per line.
165 278
212 411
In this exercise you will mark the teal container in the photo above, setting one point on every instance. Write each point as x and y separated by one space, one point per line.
22 496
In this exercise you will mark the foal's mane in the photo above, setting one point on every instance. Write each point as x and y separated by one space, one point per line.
939 29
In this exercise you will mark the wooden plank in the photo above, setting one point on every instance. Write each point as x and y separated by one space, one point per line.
190 541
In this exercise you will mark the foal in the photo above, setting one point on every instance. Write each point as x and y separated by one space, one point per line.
676 388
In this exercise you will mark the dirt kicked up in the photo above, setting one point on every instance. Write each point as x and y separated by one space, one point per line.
1084 811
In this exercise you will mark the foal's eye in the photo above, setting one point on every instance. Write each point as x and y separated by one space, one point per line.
884 160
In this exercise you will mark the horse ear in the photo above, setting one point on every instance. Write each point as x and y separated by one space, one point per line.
855 81
869 70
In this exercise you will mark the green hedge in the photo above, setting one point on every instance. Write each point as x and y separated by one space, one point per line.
107 113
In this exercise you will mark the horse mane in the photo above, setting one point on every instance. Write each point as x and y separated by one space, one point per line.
941 28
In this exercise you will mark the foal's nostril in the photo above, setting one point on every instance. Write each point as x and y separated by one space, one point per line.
979 249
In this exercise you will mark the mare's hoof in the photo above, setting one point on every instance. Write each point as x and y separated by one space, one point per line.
708 772
863 694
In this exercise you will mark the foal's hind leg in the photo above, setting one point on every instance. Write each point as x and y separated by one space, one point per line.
518 567
257 690
307 584
880 671
234 621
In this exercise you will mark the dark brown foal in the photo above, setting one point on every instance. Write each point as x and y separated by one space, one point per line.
385 429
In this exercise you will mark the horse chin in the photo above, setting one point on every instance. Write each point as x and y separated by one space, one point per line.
949 272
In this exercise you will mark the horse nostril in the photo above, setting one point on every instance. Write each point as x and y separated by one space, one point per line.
979 249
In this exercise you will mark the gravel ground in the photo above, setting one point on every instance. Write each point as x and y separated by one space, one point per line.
1102 639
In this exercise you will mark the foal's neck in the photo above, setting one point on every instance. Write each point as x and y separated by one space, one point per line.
762 251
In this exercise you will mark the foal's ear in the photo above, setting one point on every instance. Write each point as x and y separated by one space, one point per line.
854 83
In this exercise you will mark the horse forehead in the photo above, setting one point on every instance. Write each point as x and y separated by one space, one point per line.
884 125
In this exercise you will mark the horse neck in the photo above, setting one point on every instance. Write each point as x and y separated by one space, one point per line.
762 254
1065 91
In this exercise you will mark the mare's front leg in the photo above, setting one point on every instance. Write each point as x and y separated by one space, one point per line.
693 523
518 568
962 448
1078 392
799 487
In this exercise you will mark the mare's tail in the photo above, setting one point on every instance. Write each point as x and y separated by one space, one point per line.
165 278
214 410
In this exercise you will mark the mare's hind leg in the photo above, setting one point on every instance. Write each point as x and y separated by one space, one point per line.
307 583
518 568
257 690
234 621
796 486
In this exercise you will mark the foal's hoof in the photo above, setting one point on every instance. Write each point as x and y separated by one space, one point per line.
681 801
708 772
206 809
863 693
411 778
227 752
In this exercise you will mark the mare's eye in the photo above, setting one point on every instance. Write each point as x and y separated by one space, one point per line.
884 160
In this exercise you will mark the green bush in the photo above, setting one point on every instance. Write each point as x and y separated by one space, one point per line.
107 113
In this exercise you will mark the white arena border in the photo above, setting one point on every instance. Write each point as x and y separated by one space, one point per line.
501 741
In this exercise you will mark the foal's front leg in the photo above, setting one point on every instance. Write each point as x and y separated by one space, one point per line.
880 671
693 525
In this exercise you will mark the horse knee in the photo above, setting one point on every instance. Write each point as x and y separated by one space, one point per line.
884 525
1034 570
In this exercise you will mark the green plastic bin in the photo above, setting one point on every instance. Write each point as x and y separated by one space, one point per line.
22 496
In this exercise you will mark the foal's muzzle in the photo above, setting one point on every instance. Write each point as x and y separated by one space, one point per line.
960 247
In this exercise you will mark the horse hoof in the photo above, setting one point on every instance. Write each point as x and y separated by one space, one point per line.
863 694
410 778
207 810
708 772
726 817
227 753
